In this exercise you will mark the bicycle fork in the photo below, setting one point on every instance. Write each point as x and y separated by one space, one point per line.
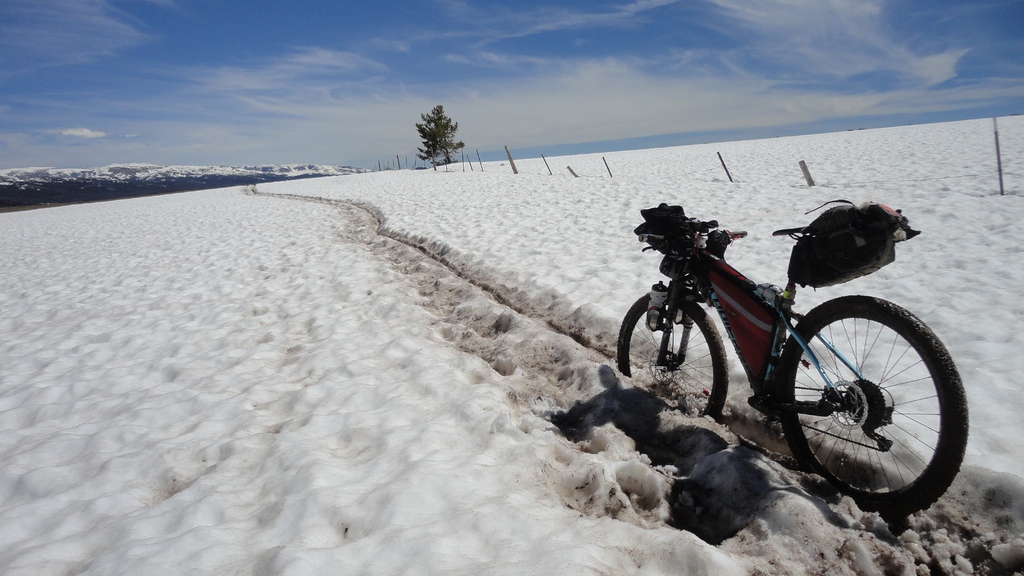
668 356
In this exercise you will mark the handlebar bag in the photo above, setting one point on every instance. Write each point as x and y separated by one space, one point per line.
664 220
671 223
847 242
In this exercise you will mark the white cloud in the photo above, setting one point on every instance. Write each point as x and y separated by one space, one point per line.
82 133
495 23
312 58
295 69
832 39
49 32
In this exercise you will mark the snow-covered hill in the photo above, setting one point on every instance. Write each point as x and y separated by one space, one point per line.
142 172
32 186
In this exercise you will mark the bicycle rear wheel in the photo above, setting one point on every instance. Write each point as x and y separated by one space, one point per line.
897 437
699 382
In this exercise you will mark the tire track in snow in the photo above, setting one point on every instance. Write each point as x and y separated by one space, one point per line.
596 334
470 314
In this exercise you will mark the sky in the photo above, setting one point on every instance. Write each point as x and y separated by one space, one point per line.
87 83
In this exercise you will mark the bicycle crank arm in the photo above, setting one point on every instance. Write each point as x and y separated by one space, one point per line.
771 406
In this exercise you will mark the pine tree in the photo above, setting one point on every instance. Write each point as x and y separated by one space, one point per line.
438 134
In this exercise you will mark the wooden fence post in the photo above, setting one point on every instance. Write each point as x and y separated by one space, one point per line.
807 174
550 173
511 161
999 159
724 166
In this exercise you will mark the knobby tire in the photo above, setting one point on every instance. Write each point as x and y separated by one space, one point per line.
910 393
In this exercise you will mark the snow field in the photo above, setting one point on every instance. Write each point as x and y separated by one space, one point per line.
221 382
213 393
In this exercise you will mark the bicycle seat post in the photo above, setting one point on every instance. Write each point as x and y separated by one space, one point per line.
789 296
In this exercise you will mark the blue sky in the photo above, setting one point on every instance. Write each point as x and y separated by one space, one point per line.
95 82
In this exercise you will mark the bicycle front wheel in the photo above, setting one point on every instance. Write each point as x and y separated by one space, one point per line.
696 377
897 436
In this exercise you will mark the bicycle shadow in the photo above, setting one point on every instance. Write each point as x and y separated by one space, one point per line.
719 487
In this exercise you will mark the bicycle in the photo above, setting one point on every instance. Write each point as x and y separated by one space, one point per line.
866 394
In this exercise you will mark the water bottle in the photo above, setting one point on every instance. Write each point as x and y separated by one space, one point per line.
658 294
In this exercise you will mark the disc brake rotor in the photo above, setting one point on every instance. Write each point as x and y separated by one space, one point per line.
862 405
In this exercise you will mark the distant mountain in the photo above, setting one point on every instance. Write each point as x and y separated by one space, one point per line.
33 186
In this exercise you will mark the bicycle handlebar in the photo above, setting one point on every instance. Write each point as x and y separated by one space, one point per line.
702 227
